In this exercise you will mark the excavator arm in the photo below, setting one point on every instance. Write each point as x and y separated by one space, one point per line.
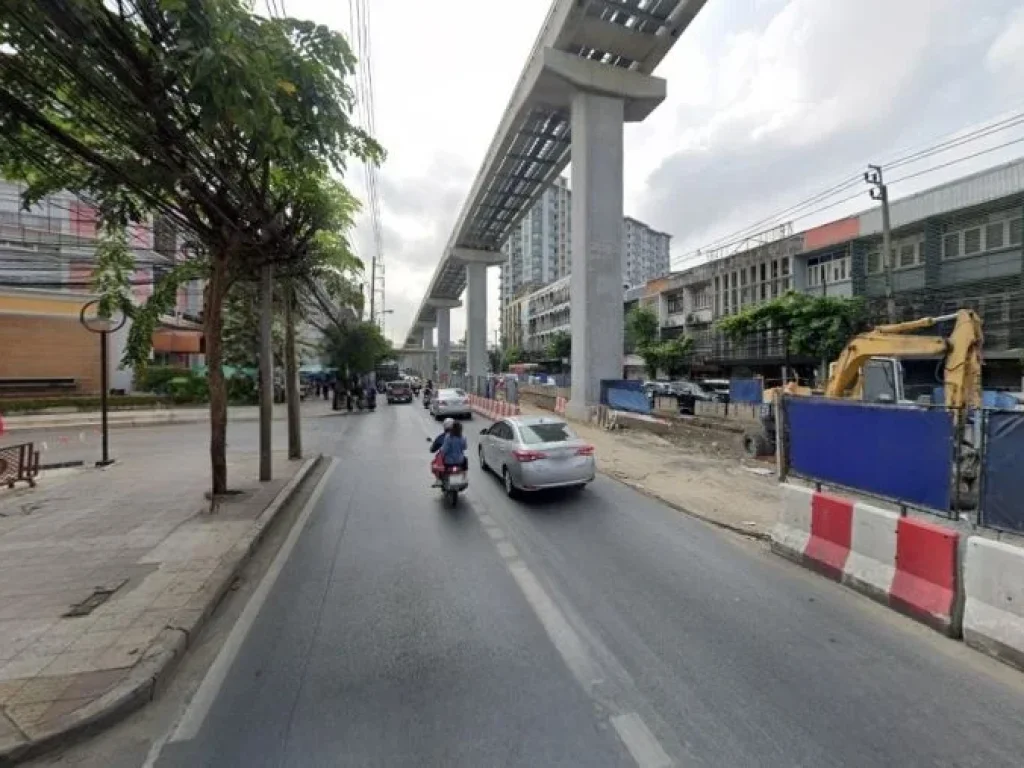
962 353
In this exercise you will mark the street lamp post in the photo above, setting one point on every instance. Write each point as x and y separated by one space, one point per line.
104 326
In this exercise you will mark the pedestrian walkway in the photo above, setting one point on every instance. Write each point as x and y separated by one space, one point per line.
718 488
105 573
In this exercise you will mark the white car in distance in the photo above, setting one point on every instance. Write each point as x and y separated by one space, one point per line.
450 402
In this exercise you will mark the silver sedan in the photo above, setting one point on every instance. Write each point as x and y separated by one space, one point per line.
531 453
450 402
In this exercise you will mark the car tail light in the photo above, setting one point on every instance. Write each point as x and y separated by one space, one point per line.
529 455
441 403
585 450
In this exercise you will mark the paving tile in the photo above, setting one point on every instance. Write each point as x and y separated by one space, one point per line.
63 708
121 620
26 715
40 689
92 684
140 637
117 657
10 734
9 688
95 641
71 662
26 664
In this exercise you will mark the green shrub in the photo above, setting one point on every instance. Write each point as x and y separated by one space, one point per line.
91 403
156 378
242 390
189 389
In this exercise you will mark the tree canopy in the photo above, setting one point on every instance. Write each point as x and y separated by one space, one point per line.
560 345
813 326
671 356
356 348
228 124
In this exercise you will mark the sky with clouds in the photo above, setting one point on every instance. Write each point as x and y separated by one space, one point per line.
769 102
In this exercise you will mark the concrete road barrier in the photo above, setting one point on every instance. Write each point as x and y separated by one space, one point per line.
872 563
925 585
908 564
993 580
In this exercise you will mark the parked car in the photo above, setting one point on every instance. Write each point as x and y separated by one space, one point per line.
399 392
717 387
689 393
654 388
450 402
531 453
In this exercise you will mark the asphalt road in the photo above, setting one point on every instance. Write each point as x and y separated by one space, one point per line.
595 629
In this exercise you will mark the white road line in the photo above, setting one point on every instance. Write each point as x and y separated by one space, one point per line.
486 519
640 742
494 532
199 706
566 641
507 550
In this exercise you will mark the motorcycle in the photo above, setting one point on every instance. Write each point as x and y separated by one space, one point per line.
371 400
426 397
453 480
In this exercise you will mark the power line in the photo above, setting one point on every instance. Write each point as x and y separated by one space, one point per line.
980 131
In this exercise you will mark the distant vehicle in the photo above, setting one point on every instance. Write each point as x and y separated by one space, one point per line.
531 453
399 392
451 402
718 387
689 393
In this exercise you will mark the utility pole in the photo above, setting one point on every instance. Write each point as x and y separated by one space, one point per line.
880 192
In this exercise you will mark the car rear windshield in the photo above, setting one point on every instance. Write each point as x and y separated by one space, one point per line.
555 432
451 393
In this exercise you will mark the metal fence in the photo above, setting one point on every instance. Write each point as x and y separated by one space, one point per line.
911 456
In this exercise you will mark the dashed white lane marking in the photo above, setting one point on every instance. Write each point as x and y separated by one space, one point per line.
486 519
507 551
566 641
640 742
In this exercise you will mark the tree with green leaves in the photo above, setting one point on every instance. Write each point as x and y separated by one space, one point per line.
817 327
560 346
672 356
642 327
642 334
222 121
355 349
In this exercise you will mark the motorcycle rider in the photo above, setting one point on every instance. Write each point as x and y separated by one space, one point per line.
437 465
453 449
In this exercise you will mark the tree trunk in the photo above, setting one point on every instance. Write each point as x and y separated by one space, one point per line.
213 316
266 371
291 373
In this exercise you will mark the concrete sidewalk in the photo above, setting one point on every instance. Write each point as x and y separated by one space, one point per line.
706 477
106 574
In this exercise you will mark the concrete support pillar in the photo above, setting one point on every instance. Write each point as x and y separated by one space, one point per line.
595 287
476 319
444 343
428 337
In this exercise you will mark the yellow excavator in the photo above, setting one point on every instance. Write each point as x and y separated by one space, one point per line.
869 369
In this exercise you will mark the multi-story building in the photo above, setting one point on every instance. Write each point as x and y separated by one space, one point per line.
47 257
539 251
955 245
645 253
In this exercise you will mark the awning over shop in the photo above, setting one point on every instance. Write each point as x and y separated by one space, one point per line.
181 342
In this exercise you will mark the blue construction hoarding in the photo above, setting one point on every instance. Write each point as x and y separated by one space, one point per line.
903 454
1002 487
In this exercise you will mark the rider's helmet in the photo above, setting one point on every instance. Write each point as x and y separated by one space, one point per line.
448 424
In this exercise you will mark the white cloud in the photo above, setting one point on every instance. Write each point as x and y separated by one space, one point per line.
769 101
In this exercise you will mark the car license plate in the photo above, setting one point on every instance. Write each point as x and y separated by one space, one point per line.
457 481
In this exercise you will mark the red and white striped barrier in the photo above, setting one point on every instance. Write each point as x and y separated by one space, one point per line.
906 563
493 409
